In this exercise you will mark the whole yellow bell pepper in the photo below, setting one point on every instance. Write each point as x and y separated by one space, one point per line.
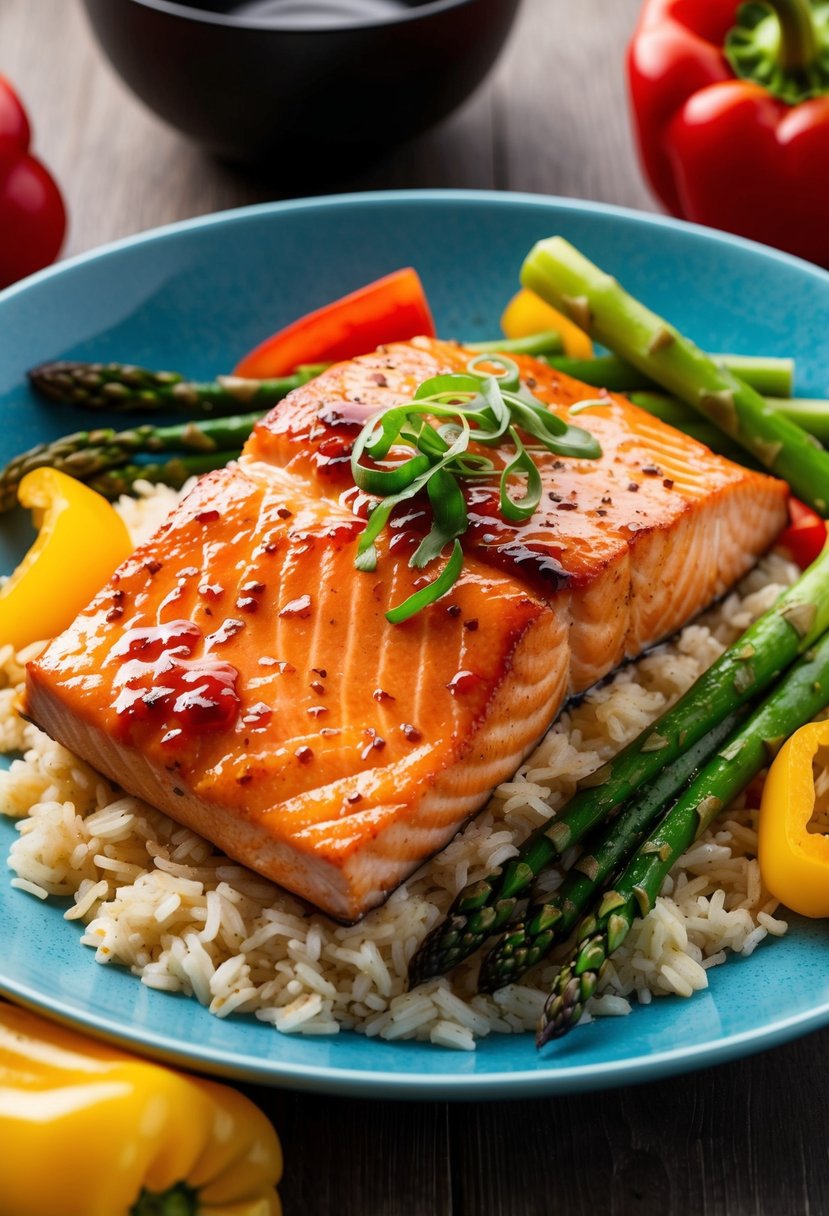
87 1130
794 862
80 543
528 314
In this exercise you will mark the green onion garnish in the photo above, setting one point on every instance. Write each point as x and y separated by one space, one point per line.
446 415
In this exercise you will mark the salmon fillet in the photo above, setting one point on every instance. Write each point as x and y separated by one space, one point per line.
239 673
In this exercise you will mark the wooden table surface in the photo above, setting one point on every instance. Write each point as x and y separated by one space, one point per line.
749 1137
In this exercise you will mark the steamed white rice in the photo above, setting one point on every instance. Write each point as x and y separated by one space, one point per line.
156 898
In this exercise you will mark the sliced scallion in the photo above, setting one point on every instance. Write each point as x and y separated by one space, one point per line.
488 408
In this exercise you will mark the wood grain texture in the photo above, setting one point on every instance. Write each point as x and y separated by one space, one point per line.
747 1139
551 119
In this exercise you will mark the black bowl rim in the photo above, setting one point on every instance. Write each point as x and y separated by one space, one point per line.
203 17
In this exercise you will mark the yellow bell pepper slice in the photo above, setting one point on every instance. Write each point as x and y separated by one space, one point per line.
87 1130
794 862
81 541
528 314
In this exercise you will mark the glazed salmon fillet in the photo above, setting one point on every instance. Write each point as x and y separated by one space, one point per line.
239 672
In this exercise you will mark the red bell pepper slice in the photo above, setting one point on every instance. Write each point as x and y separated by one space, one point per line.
805 536
731 112
391 309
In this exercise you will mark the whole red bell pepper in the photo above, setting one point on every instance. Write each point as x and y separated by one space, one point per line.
731 112
32 214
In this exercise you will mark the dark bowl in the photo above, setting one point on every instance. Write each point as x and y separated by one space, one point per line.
296 90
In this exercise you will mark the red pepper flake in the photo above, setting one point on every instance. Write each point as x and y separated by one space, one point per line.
152 566
651 470
375 743
317 687
353 798
607 501
208 516
271 546
380 694
471 624
379 379
531 382
115 613
247 603
633 486
211 591
254 587
225 632
316 710
284 513
304 755
668 483
321 672
411 733
567 506
454 609
118 595
285 669
601 511
245 778
300 607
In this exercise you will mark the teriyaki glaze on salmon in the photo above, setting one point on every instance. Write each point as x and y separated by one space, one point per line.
239 673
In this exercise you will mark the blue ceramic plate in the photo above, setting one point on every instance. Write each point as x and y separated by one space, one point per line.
193 297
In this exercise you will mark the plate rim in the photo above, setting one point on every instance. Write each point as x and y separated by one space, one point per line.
385 1083
382 1083
394 197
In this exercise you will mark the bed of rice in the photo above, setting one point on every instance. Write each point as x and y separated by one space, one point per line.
154 897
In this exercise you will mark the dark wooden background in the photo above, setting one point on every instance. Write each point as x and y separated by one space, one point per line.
739 1139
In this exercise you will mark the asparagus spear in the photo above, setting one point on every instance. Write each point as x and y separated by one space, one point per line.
683 418
747 667
175 472
772 377
802 693
546 342
563 277
810 413
125 389
87 454
551 919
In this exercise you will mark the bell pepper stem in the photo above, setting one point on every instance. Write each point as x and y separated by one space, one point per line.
179 1200
780 45
798 39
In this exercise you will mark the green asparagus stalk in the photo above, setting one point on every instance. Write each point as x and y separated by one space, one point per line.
810 413
743 671
546 342
563 277
551 919
121 388
174 472
772 377
680 416
87 454
803 692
